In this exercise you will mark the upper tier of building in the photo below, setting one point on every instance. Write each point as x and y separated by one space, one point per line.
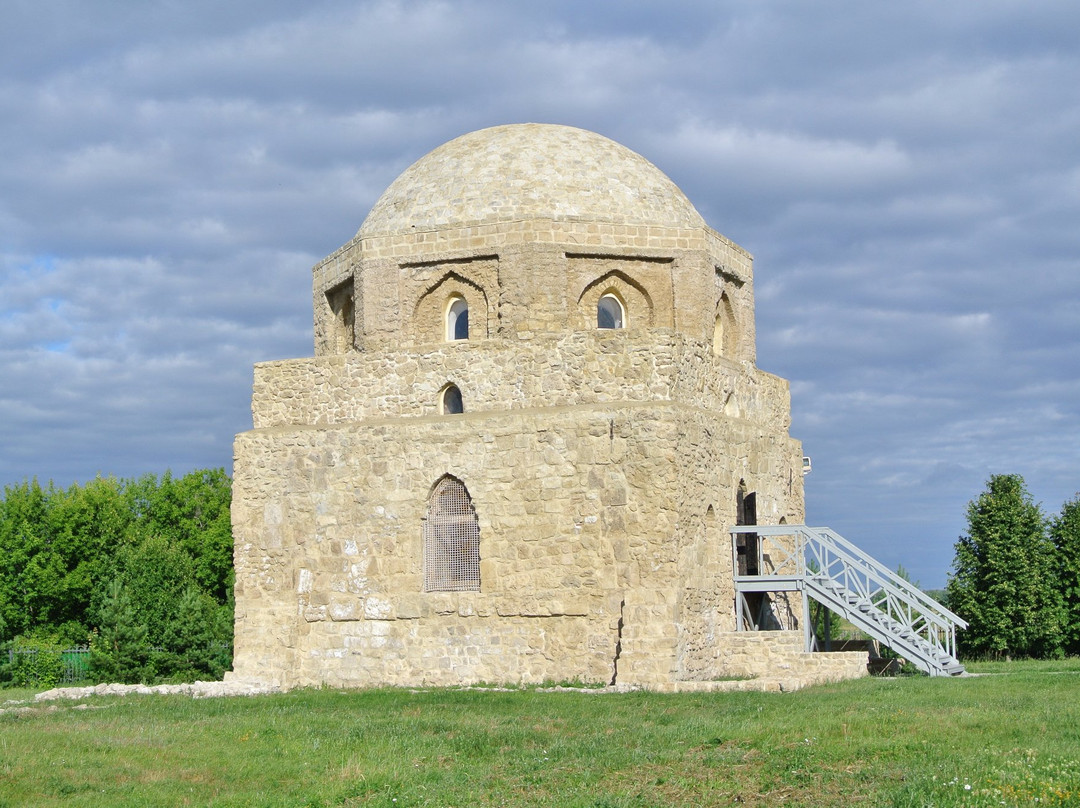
532 231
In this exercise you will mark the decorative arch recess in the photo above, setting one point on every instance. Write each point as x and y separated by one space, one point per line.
451 539
341 323
725 340
635 301
432 312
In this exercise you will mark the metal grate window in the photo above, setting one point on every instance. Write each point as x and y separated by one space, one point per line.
451 540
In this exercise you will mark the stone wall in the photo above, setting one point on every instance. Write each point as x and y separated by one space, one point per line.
583 515
533 277
604 466
574 369
781 655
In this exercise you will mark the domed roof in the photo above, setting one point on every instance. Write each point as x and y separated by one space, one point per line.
529 171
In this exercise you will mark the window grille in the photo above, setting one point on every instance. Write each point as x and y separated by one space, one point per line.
451 540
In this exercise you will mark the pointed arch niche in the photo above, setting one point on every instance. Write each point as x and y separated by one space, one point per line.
341 322
614 301
725 340
450 307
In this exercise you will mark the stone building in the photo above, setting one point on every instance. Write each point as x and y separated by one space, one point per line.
532 416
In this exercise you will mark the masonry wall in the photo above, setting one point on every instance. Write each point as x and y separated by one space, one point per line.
598 561
723 456
603 465
528 278
331 546
579 368
780 655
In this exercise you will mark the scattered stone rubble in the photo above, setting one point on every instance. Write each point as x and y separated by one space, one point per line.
197 690
210 690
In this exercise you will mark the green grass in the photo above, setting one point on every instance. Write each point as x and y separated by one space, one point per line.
1008 737
16 694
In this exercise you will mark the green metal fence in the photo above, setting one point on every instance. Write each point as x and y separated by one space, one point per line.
63 666
76 665
39 664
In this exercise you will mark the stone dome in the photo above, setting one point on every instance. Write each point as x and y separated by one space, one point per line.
529 171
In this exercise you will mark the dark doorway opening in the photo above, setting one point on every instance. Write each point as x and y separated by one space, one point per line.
746 545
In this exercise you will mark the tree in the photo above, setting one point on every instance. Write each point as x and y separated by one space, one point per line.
119 651
196 641
1003 582
166 543
31 569
154 572
192 512
1065 533
88 523
54 547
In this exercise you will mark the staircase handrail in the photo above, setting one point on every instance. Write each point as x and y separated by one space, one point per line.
900 583
924 652
852 555
868 584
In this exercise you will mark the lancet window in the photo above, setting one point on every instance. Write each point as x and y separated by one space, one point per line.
457 319
610 312
451 540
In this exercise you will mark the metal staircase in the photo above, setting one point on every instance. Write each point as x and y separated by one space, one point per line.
823 565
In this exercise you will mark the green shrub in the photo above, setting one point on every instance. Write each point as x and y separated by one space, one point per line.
36 663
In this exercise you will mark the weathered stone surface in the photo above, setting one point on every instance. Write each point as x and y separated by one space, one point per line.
603 465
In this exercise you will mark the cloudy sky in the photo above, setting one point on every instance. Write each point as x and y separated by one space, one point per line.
907 176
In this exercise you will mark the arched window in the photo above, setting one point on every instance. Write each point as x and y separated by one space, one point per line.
457 319
610 312
451 540
451 403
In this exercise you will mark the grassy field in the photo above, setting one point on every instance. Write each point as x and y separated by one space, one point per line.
1010 737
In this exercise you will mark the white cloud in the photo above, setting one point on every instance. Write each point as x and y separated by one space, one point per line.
792 160
907 178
